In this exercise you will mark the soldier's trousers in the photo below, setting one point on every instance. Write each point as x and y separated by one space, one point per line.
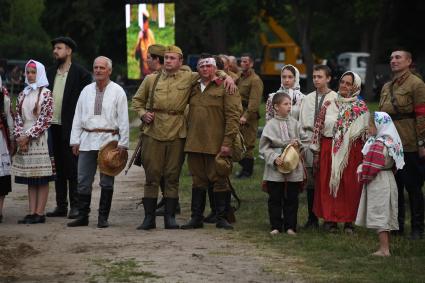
202 167
411 178
162 159
249 132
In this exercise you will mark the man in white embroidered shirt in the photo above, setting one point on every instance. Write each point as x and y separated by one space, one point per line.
101 116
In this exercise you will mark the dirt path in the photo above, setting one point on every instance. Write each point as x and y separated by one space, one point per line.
52 252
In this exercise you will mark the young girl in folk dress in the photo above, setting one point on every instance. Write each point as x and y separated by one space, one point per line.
6 146
378 207
290 84
32 164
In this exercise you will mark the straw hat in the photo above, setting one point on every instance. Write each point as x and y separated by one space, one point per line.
223 165
110 161
291 158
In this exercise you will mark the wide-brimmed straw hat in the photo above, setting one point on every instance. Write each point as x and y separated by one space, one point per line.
111 162
291 159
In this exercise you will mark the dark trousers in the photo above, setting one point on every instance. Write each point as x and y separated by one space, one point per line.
411 177
66 168
283 200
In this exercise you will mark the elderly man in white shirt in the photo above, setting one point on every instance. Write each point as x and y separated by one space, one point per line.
101 116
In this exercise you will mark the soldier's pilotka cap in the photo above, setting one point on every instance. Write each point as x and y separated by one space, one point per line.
173 49
65 39
156 49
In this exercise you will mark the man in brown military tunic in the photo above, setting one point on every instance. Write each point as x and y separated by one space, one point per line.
160 102
251 90
404 99
213 125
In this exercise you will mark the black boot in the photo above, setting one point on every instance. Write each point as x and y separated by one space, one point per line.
211 218
149 221
170 213
73 199
312 221
220 206
58 212
249 166
83 211
104 208
242 174
197 207
160 208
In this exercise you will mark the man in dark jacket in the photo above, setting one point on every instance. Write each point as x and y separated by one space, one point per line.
66 79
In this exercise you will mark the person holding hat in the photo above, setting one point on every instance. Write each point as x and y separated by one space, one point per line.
160 103
145 39
280 144
67 80
99 136
213 117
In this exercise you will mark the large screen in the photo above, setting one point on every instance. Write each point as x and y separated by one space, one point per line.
146 24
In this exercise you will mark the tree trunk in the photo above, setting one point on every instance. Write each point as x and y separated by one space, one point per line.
370 71
304 28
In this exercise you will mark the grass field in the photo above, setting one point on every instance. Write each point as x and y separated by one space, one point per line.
316 255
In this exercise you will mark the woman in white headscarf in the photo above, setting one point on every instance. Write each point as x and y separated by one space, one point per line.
32 164
378 207
289 84
337 191
6 145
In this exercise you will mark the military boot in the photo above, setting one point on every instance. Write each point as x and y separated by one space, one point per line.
197 207
149 221
170 213
220 206
211 218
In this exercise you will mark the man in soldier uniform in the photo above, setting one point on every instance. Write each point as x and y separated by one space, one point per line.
160 102
404 99
251 90
213 117
155 57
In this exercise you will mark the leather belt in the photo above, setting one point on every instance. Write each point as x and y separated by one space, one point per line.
98 130
169 112
402 116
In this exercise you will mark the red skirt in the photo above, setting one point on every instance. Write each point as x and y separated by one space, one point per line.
343 207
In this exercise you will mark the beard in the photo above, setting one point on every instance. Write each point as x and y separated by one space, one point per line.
59 60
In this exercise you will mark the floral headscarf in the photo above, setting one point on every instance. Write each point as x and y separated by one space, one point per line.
351 123
388 135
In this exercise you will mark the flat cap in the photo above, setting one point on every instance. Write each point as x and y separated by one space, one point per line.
173 49
156 49
67 40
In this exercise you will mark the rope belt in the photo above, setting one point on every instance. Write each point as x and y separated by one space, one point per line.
169 112
98 130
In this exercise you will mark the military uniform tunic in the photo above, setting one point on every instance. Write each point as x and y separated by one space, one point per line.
251 90
213 122
163 139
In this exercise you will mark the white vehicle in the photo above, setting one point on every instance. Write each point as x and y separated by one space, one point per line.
354 61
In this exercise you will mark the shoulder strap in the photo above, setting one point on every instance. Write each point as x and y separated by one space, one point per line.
151 94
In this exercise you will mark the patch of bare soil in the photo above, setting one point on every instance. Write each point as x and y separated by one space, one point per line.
52 252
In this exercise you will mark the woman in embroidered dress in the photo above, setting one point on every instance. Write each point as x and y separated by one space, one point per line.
6 145
378 207
337 157
290 84
32 164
